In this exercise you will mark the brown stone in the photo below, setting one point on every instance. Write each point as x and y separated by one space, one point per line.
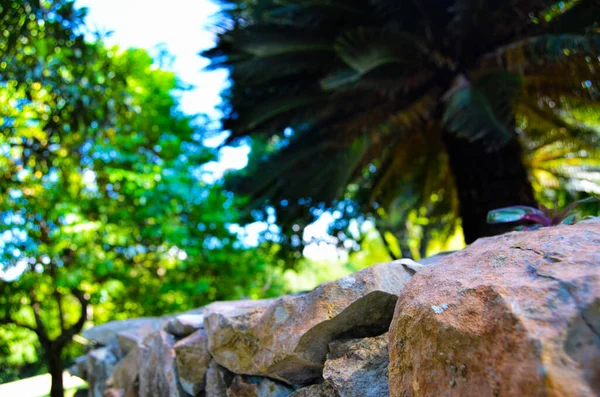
511 315
288 340
254 386
358 367
192 358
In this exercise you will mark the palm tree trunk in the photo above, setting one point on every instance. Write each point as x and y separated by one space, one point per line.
487 180
55 368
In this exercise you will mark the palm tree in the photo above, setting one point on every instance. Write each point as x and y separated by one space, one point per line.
379 106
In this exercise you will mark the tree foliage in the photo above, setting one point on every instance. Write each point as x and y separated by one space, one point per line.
356 101
104 210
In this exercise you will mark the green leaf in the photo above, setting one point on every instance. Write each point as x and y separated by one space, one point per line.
512 214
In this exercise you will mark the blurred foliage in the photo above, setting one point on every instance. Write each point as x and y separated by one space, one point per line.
104 211
351 107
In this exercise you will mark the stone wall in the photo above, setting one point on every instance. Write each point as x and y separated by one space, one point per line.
513 315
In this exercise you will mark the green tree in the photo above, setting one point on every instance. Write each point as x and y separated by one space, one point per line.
103 204
408 110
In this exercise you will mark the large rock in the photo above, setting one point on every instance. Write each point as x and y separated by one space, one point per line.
324 389
218 380
288 340
512 315
192 358
105 333
101 363
185 324
118 393
158 374
358 367
126 372
80 368
254 386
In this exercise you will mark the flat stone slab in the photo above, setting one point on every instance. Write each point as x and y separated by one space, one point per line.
105 333
185 324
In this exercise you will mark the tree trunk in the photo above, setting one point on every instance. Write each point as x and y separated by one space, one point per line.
487 180
55 367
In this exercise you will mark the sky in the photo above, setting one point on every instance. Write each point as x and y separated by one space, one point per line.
185 28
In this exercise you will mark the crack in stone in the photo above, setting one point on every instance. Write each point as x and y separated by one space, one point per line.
528 249
591 327
535 270
545 256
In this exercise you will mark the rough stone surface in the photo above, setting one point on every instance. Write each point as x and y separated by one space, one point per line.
105 333
218 380
288 340
185 324
114 393
130 338
101 363
118 393
158 374
126 372
80 368
321 390
254 386
358 367
192 358
512 315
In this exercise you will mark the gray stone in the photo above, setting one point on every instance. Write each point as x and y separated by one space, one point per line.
185 324
126 372
105 333
288 340
101 363
128 339
218 380
321 390
358 367
192 358
80 368
158 374
114 393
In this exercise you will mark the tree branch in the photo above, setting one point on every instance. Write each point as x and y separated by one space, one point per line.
385 243
68 334
57 296
39 324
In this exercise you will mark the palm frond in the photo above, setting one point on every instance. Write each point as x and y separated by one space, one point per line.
364 50
547 118
483 110
266 111
536 51
316 174
578 18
